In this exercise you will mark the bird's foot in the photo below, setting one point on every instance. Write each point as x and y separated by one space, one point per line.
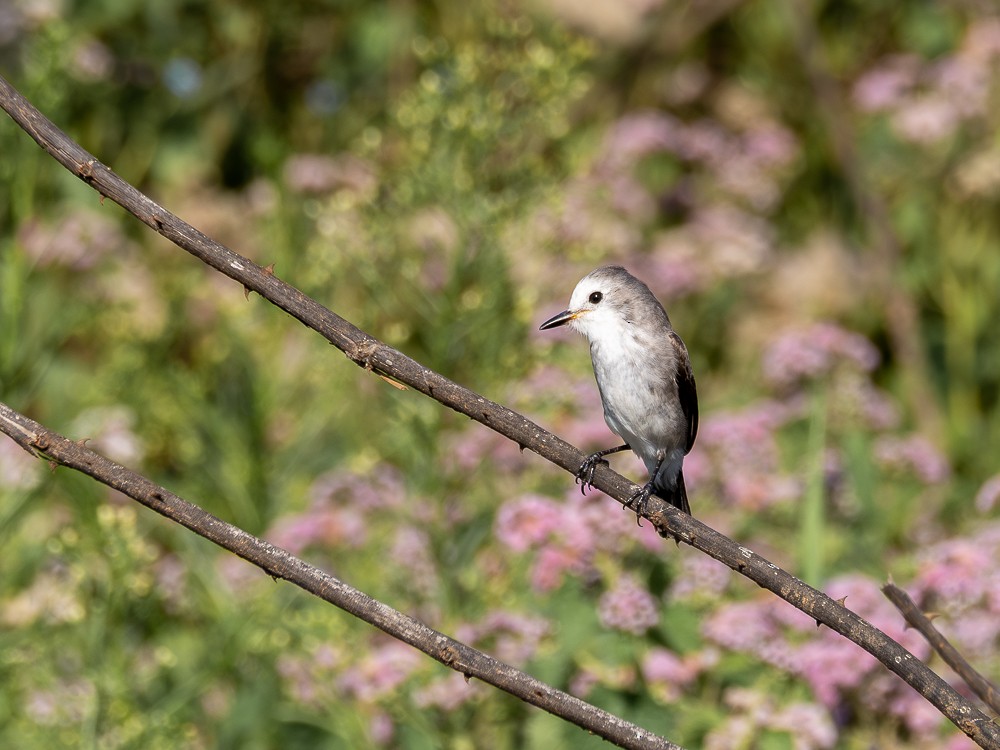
639 502
585 474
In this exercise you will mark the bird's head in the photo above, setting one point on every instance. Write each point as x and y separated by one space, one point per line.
605 301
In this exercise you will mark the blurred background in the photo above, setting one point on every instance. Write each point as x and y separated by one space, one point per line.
811 188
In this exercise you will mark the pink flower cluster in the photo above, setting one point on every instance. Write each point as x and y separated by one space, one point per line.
667 674
337 513
566 536
628 606
837 671
815 351
928 101
511 637
751 713
912 455
742 455
960 579
744 163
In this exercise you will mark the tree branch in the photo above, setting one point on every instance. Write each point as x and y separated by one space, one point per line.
372 354
916 619
278 563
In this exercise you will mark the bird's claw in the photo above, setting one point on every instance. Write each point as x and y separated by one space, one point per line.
639 501
585 474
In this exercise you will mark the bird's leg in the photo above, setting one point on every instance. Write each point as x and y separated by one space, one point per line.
585 474
639 502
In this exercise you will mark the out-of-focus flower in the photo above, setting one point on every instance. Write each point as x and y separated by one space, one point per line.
78 240
19 469
511 637
469 449
380 489
834 668
526 522
926 119
92 61
110 431
701 578
628 606
336 515
380 671
913 454
381 728
809 725
928 101
956 574
318 174
67 704
884 86
171 582
582 683
986 498
750 712
639 134
979 173
550 568
743 452
321 525
814 352
411 553
718 242
52 598
667 674
448 693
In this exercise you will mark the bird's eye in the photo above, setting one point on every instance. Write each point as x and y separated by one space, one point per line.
595 297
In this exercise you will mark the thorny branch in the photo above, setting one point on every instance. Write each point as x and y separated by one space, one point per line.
372 354
916 619
279 564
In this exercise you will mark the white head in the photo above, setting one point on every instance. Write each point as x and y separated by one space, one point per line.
606 302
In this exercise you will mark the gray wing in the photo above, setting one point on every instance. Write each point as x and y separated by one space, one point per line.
686 390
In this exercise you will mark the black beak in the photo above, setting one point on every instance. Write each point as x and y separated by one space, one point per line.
557 320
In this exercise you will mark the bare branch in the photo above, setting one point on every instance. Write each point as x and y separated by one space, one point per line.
278 563
384 360
916 619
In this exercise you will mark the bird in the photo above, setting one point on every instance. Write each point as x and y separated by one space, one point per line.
643 373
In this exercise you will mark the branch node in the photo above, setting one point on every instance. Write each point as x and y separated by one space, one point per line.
86 171
361 354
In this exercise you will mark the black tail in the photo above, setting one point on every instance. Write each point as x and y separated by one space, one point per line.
675 495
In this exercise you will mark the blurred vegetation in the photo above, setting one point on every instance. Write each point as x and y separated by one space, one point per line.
812 190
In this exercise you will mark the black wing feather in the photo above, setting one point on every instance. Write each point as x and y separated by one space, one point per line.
687 392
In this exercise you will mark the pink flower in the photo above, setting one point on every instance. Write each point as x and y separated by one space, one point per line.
527 522
926 119
986 498
700 577
380 671
883 87
550 567
19 469
668 674
914 454
511 637
814 352
628 606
